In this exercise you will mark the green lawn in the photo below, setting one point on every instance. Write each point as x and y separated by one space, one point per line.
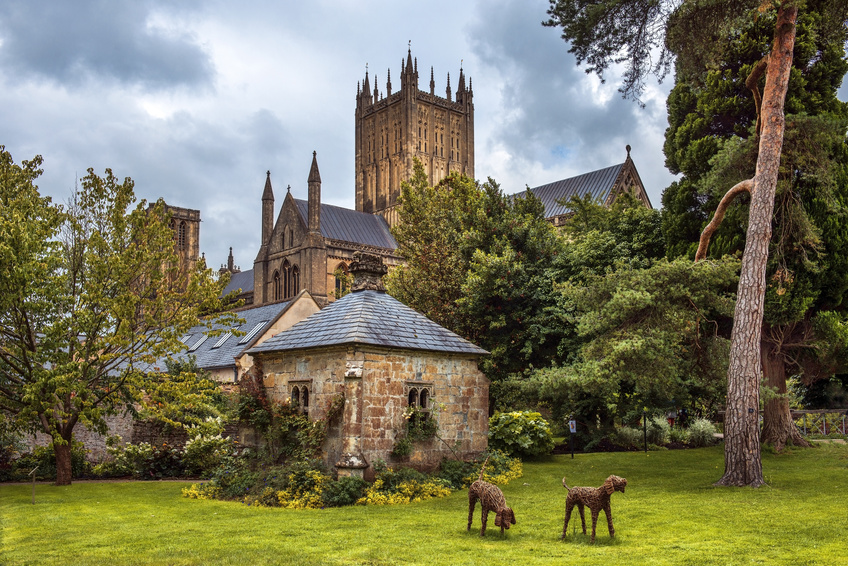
670 514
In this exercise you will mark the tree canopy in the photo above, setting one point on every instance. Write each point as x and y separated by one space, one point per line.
695 32
92 298
477 262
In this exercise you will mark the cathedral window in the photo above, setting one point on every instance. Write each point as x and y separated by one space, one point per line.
341 279
286 280
295 281
278 289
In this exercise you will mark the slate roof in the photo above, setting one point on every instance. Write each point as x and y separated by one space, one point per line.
348 225
368 317
242 280
598 184
218 351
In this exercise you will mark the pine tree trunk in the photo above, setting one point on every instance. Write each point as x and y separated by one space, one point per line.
778 427
742 464
63 463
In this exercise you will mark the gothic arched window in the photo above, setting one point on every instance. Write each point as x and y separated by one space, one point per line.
295 281
284 292
278 288
341 279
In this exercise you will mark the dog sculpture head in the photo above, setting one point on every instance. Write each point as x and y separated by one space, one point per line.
614 483
504 518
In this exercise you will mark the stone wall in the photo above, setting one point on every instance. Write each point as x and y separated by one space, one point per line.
376 383
131 431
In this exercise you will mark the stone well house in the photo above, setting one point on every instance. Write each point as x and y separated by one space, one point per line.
382 357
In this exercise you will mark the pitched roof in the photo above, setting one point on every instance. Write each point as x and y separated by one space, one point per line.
220 351
598 184
348 225
242 280
368 317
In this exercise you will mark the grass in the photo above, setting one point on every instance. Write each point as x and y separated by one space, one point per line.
670 514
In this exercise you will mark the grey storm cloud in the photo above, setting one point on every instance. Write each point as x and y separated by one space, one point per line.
71 42
552 110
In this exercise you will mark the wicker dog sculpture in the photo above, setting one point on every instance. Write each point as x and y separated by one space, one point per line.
596 499
491 499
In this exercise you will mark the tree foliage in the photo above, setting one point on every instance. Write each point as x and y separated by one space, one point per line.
652 337
478 262
93 296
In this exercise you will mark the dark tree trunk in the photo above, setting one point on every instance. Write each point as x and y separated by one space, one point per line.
742 464
778 427
63 463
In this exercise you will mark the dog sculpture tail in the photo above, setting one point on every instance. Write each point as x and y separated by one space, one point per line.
483 467
565 485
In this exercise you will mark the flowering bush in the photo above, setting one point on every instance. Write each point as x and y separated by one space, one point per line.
500 469
202 491
206 447
410 491
520 433
305 490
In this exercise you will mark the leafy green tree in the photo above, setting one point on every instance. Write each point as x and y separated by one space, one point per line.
92 296
712 141
478 262
708 106
651 336
603 32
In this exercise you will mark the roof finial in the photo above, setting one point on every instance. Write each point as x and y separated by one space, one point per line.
627 147
288 189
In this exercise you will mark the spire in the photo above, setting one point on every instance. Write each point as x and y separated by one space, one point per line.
314 175
388 82
409 68
448 89
268 193
267 210
230 261
314 203
432 82
416 66
366 85
461 87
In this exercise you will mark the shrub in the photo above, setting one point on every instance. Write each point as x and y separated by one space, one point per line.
305 490
628 437
206 447
143 461
658 430
403 486
500 469
202 491
679 434
345 491
454 472
44 458
702 433
520 433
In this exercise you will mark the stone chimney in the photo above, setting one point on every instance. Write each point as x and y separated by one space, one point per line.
367 271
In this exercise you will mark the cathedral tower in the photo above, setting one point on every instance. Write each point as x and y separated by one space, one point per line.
393 128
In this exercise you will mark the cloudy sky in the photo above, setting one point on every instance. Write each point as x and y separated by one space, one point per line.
195 100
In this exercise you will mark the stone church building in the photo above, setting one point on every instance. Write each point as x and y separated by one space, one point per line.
383 358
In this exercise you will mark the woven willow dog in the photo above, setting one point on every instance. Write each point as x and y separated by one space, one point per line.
596 499
491 499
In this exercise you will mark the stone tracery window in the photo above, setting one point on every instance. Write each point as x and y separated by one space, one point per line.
299 396
278 288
